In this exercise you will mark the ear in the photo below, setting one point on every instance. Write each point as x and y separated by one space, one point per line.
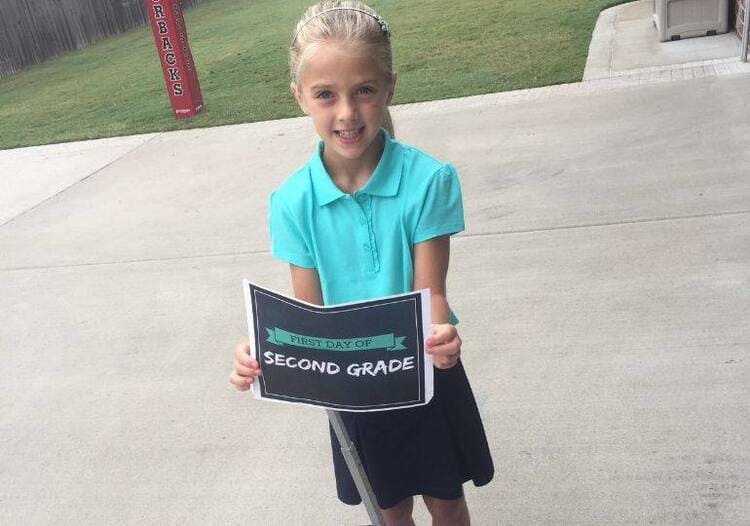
392 87
298 98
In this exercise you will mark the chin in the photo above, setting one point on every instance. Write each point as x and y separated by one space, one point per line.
349 154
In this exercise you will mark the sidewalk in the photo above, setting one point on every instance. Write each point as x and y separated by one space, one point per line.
603 284
625 43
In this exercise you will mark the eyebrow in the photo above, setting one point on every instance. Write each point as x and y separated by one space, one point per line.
320 86
316 87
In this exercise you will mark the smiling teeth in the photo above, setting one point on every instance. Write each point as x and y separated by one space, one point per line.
349 134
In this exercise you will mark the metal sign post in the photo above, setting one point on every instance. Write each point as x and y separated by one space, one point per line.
355 468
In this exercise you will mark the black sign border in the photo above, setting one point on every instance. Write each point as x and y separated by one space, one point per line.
260 387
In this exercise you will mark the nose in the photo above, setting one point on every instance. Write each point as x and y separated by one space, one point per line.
347 110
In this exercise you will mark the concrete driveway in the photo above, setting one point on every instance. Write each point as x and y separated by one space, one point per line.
603 285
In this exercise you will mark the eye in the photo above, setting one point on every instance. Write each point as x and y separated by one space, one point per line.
366 90
325 94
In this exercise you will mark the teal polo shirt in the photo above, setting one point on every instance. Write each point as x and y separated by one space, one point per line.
361 243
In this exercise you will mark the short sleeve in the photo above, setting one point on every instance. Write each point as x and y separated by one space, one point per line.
287 240
442 210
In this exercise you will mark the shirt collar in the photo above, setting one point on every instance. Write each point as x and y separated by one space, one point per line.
383 182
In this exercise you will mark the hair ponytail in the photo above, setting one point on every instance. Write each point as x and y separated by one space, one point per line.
388 123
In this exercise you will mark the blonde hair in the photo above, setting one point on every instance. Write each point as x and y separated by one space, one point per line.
347 21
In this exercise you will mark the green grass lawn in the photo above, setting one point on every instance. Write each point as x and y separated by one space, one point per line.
443 48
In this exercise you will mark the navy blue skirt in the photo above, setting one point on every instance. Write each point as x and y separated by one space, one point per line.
428 450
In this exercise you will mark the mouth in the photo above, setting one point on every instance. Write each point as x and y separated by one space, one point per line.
350 136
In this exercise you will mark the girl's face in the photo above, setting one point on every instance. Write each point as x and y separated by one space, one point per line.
345 91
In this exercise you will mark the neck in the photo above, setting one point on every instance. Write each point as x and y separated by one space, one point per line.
352 174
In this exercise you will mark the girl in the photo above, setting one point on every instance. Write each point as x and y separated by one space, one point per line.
368 216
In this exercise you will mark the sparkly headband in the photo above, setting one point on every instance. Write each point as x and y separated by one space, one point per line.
383 24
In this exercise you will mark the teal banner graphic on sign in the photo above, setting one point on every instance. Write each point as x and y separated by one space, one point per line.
381 341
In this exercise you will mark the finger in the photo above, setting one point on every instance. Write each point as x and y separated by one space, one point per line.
237 380
445 363
243 371
436 337
442 333
455 340
241 383
446 360
245 360
243 349
246 365
452 348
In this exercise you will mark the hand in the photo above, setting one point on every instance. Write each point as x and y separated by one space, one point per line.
246 369
444 345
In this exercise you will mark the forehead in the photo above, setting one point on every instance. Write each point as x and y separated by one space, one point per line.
340 64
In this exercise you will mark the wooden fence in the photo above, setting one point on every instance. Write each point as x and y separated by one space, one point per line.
32 31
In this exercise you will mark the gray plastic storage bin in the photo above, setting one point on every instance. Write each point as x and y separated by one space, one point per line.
677 19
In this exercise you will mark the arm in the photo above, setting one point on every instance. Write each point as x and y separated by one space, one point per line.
306 284
430 270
